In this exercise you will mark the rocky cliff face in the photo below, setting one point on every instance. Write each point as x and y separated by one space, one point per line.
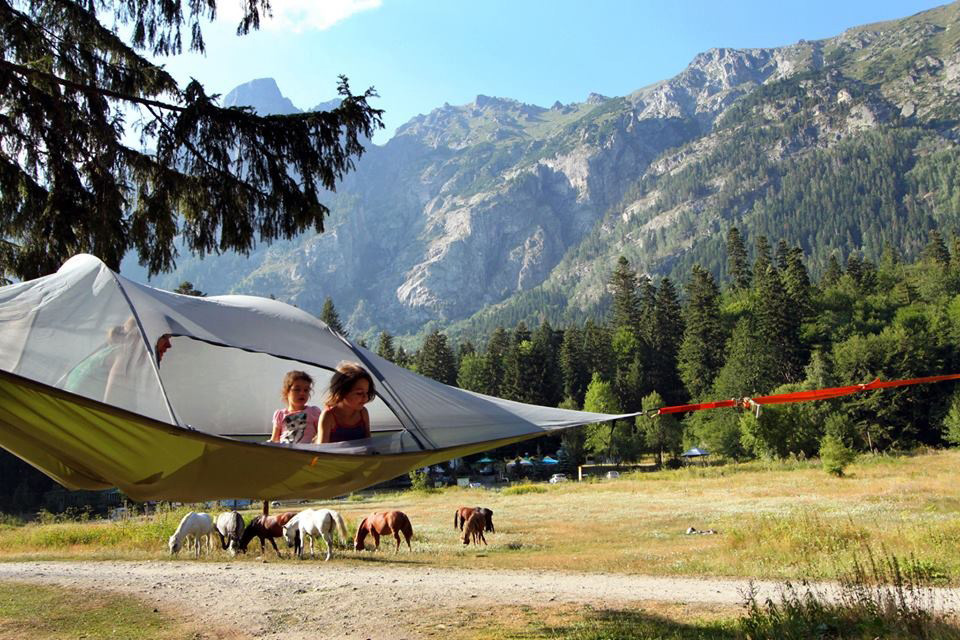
473 205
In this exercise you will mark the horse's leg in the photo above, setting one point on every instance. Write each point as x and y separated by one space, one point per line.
376 538
328 539
396 536
274 543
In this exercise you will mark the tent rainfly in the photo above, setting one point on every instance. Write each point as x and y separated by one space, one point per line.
86 397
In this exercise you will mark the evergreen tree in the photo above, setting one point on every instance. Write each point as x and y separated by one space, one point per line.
738 268
186 288
216 179
763 260
778 326
665 340
701 351
597 351
496 356
547 375
796 280
936 250
331 318
833 272
626 302
385 348
436 360
517 366
573 364
783 251
402 358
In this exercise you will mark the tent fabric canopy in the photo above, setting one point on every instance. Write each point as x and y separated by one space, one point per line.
84 398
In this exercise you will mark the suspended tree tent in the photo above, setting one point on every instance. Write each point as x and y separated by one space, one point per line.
84 399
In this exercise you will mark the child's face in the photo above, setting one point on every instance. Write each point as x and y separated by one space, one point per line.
358 395
298 394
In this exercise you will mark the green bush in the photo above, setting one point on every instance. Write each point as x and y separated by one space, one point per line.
835 455
520 489
420 480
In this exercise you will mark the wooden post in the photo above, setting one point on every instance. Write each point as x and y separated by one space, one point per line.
266 507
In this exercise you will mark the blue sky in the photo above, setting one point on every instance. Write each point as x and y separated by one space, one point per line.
419 54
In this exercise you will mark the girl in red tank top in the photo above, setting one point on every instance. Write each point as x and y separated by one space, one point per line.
345 415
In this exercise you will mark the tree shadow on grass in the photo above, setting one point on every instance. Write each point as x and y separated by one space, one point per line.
618 624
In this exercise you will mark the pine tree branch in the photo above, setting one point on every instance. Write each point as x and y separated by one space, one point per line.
28 71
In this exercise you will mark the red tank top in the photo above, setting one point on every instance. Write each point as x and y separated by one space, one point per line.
342 433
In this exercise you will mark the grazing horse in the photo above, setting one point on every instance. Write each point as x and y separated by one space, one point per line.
193 528
463 514
474 528
230 529
268 527
310 524
384 523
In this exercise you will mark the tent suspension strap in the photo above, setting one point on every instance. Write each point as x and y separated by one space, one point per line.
800 396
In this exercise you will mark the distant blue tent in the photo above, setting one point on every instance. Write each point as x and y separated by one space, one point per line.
548 460
484 460
694 453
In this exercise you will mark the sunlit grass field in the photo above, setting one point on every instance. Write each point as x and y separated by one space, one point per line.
773 520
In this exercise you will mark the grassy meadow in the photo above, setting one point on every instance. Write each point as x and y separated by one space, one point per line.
785 521
773 520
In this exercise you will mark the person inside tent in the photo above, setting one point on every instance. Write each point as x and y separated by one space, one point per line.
345 415
297 424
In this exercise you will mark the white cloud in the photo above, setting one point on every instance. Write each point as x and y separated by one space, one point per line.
300 15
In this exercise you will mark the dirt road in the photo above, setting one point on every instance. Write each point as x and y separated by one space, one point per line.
291 599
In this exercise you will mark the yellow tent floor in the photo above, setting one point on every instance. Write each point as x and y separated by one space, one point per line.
84 444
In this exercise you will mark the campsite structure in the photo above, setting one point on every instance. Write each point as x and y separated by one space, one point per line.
85 397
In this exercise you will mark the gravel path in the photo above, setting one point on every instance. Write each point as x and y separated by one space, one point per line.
291 599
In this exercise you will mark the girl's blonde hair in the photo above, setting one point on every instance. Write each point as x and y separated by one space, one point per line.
290 378
346 375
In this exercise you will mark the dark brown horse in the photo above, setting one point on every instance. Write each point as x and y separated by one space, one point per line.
473 530
265 527
384 523
463 514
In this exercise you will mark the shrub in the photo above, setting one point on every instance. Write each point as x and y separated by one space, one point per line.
875 598
420 480
520 489
835 455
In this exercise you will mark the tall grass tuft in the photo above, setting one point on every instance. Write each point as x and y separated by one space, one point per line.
875 598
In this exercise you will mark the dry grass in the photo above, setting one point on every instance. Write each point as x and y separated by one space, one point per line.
774 521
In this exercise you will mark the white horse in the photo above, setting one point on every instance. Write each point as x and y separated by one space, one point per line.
230 529
311 523
195 527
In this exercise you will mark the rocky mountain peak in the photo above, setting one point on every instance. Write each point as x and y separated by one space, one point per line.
263 95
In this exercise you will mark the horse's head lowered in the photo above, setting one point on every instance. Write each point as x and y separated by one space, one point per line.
361 536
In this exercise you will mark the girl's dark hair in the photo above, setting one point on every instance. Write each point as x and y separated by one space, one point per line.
290 378
346 375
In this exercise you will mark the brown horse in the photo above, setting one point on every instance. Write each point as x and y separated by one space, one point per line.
265 527
463 514
384 523
474 528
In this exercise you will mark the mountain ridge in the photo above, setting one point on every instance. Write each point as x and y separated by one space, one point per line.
471 213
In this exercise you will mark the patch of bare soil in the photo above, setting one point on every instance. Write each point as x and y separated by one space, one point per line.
293 599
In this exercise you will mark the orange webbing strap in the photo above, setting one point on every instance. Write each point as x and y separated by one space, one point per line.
805 396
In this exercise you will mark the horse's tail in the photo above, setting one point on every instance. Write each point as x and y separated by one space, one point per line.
405 527
341 526
456 518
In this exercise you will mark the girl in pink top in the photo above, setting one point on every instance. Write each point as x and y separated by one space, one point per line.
344 415
297 424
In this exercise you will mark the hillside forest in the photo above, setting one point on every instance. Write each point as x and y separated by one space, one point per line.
768 328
